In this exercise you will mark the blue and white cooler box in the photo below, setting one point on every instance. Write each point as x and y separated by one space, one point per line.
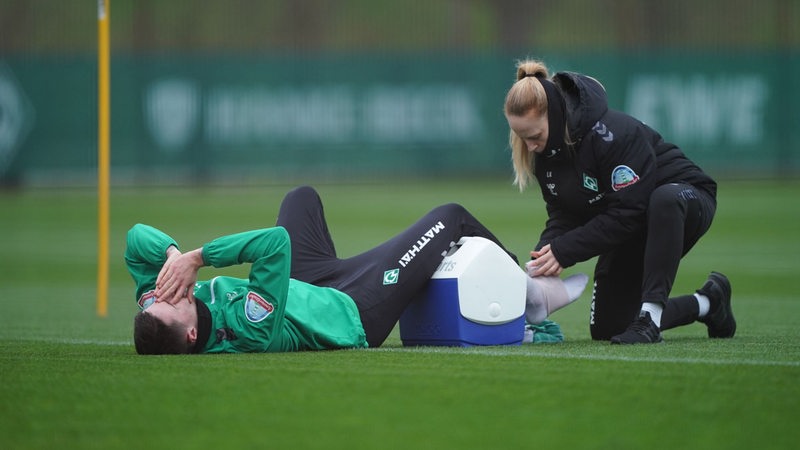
475 297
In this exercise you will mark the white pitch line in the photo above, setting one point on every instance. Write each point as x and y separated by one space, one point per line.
91 342
69 341
558 355
495 351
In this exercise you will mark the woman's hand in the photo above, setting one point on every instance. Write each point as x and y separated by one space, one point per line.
178 276
544 263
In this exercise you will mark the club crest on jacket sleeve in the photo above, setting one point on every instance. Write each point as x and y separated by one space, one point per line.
622 177
147 299
256 308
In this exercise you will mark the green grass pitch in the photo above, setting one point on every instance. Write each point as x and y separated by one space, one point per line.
70 379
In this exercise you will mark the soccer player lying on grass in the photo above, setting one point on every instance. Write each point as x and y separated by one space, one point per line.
299 295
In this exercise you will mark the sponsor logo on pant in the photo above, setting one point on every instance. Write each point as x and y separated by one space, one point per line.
420 244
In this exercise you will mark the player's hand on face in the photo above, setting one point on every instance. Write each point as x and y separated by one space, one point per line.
177 277
544 263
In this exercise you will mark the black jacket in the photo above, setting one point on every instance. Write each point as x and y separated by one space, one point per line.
597 189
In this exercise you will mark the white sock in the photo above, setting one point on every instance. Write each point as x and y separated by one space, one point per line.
704 305
575 285
535 302
546 295
655 310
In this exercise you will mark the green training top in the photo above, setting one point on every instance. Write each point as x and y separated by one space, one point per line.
269 311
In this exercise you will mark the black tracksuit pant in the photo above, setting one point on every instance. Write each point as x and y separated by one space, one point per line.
384 280
644 268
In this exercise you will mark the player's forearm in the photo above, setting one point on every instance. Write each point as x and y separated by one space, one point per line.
247 247
146 244
195 258
172 251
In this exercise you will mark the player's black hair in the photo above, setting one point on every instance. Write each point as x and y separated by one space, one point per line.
154 337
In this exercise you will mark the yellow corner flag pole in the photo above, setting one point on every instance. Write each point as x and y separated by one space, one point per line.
104 157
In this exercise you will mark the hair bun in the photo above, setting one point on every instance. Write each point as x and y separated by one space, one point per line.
531 68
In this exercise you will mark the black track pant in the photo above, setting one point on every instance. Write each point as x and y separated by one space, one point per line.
644 269
382 281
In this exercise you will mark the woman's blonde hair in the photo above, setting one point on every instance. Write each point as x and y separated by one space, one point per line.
526 94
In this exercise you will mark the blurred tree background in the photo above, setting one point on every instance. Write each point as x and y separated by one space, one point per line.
401 25
719 77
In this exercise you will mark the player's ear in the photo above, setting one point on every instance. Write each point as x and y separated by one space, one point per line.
191 335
